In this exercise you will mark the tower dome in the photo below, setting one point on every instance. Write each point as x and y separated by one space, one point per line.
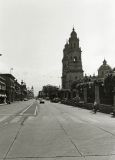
104 69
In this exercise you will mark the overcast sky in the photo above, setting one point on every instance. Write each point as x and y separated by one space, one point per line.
33 34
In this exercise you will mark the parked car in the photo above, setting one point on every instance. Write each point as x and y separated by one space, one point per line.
25 99
55 100
47 98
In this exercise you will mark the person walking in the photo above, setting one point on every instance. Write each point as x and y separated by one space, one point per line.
95 107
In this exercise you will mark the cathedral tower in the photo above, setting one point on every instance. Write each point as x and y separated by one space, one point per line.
71 62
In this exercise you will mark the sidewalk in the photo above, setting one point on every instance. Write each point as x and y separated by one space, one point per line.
1 104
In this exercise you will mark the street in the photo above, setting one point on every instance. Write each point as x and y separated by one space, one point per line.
53 131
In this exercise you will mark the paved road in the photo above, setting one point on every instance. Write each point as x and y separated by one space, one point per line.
57 132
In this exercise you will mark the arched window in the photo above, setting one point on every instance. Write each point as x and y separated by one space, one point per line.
75 59
102 73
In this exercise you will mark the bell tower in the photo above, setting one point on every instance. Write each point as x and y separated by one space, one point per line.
71 62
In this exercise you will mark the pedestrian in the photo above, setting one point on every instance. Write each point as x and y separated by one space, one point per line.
95 106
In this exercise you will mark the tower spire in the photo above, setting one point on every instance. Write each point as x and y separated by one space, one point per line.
71 62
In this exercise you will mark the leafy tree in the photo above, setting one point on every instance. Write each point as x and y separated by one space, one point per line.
50 91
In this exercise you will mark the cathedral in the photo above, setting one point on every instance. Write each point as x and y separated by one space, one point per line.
71 62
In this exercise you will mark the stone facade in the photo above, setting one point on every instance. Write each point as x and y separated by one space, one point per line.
10 87
2 90
71 62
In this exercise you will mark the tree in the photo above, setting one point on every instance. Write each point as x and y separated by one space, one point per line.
50 91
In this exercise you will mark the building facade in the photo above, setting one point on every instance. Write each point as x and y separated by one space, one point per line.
10 87
71 62
30 93
23 90
17 91
2 90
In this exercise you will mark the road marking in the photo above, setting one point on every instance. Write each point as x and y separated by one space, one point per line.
36 111
31 118
6 114
25 109
16 119
3 118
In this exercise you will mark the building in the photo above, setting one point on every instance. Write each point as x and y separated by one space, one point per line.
10 87
30 93
17 91
71 62
104 70
2 90
23 91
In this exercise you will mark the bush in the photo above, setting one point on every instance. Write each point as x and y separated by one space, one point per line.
105 108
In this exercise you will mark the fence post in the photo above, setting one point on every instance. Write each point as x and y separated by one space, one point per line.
85 94
97 98
71 94
67 95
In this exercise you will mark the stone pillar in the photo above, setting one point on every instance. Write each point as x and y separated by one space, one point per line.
85 94
5 100
71 94
77 93
67 95
64 94
97 98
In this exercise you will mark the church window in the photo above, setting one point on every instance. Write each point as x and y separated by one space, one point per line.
75 59
74 45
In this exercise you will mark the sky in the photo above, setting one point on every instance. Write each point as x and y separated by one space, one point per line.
33 34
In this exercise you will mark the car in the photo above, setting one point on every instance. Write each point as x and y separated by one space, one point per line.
42 101
47 98
55 100
25 99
